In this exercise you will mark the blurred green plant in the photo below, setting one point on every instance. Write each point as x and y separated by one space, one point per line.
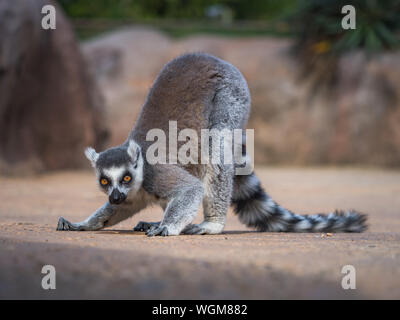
188 9
321 40
179 18
317 25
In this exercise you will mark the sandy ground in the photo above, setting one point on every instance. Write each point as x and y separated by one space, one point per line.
240 263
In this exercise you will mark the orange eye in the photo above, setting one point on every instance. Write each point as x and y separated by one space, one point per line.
127 178
104 182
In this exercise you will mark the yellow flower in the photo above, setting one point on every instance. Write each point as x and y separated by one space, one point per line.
321 47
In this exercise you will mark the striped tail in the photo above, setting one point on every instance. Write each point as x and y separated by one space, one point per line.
256 209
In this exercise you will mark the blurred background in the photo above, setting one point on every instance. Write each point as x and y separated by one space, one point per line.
321 95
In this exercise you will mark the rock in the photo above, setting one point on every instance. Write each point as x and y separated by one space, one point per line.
355 123
125 64
50 108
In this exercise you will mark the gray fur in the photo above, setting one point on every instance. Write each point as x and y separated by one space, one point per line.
198 91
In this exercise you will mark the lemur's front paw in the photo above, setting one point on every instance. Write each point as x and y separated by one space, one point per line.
145 226
158 231
65 225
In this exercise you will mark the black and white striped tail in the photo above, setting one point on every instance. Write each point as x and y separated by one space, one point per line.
256 209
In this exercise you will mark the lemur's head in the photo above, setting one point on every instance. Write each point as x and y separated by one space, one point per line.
119 170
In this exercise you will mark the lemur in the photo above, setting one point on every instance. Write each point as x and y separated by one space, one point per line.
199 91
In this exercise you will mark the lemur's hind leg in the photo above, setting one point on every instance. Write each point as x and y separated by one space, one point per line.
218 191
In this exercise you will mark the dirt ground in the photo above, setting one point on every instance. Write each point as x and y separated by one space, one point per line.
238 264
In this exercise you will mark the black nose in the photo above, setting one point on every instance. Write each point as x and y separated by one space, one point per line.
116 197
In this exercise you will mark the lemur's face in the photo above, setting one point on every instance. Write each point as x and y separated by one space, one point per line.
119 171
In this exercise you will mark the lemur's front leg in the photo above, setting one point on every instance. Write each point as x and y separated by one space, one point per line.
184 193
179 213
106 216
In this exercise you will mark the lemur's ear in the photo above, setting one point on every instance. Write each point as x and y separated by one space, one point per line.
92 155
133 150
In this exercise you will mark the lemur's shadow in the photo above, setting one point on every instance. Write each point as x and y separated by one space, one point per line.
139 233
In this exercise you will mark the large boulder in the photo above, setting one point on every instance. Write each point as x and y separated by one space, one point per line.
50 108
125 64
356 122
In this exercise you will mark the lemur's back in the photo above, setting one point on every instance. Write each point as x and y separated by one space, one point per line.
197 90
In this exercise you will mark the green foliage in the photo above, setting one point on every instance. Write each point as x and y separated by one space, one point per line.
179 18
187 9
321 39
317 25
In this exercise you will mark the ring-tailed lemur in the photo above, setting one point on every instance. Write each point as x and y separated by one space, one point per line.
199 91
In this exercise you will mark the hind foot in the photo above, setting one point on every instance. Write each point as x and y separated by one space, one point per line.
205 227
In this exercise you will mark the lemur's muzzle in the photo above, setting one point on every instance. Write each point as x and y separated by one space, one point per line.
116 197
